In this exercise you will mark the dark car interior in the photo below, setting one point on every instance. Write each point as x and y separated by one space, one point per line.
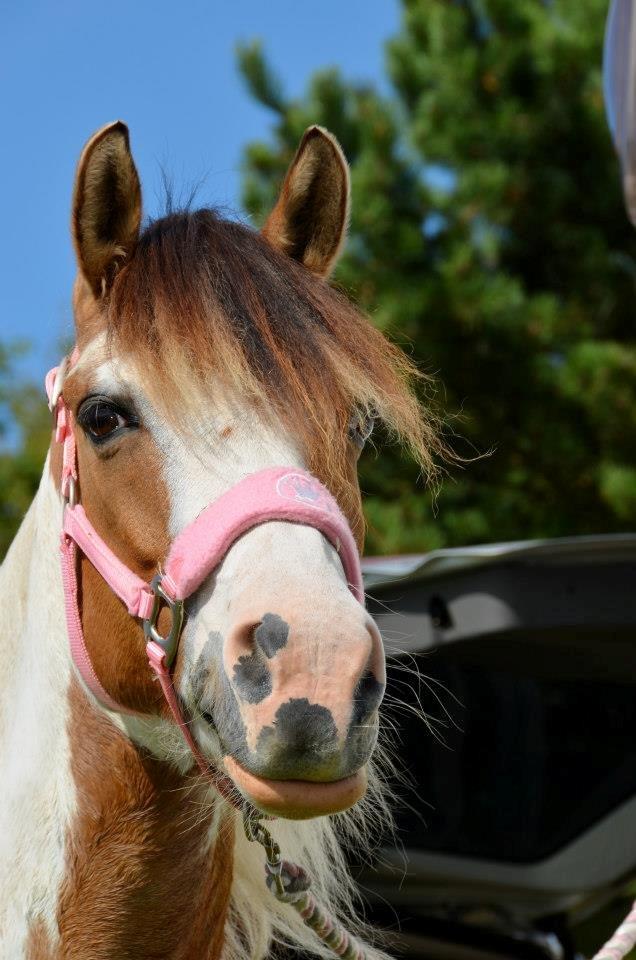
512 710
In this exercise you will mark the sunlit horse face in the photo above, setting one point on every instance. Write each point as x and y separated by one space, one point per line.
206 354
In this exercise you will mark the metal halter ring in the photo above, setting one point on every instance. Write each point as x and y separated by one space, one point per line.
170 642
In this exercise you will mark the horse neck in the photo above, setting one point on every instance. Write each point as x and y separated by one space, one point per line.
38 792
33 647
102 836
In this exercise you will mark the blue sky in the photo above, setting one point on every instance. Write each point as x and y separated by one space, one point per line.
168 69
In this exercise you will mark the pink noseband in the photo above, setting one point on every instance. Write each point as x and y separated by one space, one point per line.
280 493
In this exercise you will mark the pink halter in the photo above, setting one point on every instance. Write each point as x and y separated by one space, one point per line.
278 493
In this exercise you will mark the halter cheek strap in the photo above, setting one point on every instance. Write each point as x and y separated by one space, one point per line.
276 494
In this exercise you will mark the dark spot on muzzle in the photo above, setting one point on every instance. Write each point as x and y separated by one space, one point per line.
252 679
301 742
271 634
201 672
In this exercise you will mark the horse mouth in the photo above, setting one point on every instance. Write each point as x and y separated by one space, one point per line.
297 799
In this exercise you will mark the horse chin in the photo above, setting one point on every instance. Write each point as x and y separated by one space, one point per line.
297 799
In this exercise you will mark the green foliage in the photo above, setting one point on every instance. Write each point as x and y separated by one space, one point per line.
25 431
488 236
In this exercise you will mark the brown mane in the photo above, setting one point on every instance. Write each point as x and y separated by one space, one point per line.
206 300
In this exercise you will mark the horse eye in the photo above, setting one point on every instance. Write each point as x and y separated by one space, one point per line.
361 428
102 419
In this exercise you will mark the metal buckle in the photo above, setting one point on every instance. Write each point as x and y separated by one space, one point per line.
170 642
70 500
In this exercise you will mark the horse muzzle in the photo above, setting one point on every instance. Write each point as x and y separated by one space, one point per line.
297 712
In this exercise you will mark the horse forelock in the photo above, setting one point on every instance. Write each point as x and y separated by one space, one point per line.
207 304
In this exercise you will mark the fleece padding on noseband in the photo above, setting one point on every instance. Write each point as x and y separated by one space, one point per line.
278 493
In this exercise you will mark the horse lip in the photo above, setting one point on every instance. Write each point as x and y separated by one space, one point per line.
297 799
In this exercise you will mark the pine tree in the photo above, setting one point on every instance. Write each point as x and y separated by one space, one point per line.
488 236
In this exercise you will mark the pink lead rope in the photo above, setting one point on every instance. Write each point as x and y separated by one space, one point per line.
280 493
621 942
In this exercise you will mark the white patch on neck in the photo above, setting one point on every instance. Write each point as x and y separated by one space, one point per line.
38 792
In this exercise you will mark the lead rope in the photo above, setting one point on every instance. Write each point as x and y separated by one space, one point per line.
290 884
621 942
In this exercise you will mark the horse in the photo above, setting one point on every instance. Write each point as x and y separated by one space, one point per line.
210 358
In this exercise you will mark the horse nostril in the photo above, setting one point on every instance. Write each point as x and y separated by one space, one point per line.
271 634
242 640
366 698
207 716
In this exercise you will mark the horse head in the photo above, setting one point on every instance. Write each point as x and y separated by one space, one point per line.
207 352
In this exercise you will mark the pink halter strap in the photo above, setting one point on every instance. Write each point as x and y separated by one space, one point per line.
279 493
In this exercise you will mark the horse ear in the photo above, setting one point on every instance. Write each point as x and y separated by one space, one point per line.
106 206
309 221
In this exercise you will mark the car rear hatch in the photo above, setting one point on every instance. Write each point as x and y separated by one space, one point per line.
521 817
